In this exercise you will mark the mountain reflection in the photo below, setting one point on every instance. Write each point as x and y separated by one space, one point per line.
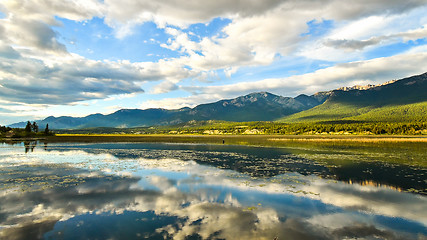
79 194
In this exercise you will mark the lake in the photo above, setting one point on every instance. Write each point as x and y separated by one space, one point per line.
212 191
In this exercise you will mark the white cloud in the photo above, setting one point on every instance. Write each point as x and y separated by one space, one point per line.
44 10
257 38
418 49
164 87
34 61
121 96
352 44
180 102
181 13
347 74
28 23
126 13
415 34
347 40
30 80
32 33
52 79
8 52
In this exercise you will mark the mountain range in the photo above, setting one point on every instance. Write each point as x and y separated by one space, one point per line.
403 100
396 100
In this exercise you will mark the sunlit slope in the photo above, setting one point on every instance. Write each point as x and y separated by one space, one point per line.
260 106
402 101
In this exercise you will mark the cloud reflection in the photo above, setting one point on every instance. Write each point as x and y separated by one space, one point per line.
207 201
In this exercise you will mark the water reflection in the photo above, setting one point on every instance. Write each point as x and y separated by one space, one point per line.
29 146
269 162
91 193
374 184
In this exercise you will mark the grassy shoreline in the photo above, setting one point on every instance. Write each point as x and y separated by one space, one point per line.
410 150
235 139
274 141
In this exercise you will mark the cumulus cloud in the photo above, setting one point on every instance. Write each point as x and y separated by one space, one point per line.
348 40
45 10
64 80
249 41
180 13
256 36
33 34
34 60
8 52
353 44
180 102
373 71
165 87
28 23
29 80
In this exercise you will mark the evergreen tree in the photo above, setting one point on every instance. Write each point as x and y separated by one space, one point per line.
46 130
28 127
35 127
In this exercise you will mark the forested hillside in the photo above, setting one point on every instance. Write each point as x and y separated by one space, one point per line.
401 101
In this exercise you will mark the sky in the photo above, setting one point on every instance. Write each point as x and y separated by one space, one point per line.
80 57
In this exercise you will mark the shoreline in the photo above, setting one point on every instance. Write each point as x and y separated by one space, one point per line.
228 139
369 146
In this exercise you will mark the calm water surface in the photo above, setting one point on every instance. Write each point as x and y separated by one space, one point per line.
190 191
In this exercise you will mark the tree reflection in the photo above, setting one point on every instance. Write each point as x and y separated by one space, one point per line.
29 146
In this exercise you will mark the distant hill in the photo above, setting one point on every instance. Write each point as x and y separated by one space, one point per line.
261 106
403 100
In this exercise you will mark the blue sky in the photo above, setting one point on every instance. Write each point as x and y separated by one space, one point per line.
74 58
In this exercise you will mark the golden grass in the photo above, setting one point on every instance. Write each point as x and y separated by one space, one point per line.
270 138
354 139
121 135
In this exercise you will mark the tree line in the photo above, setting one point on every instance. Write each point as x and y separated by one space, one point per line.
223 127
33 127
30 130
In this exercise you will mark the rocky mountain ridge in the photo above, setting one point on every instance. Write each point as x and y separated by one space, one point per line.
260 106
